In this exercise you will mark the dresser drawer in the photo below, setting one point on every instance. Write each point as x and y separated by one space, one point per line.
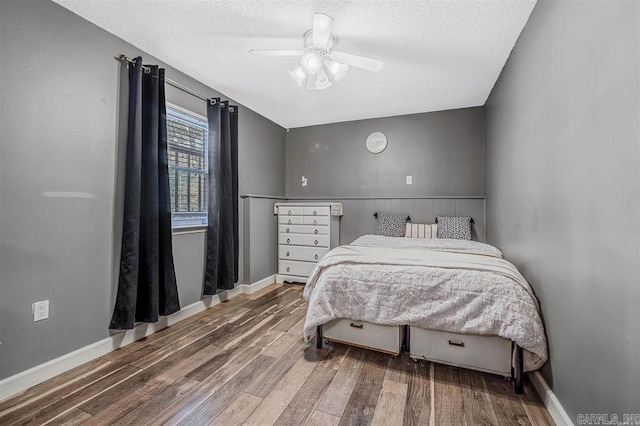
491 354
303 229
290 211
384 338
316 211
315 220
292 267
304 240
309 254
289 220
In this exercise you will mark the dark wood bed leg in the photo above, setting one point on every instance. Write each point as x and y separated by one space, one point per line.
405 339
319 337
518 382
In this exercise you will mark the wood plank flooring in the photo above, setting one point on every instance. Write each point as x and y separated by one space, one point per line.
243 362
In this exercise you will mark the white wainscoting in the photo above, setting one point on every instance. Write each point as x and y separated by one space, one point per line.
358 217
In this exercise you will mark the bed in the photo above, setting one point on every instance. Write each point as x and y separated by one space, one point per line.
452 301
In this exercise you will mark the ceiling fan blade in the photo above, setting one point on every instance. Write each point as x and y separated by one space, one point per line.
368 64
322 26
311 81
276 52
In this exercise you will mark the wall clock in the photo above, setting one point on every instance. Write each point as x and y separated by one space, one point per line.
376 142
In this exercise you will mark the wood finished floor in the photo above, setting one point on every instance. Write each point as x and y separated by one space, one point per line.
244 362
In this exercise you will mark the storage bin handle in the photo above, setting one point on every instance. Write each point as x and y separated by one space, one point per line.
456 343
356 325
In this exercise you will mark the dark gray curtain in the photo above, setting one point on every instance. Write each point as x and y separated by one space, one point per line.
222 229
147 283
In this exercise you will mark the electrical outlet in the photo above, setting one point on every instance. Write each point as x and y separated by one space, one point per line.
40 310
409 180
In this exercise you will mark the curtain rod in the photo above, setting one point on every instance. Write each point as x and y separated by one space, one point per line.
125 58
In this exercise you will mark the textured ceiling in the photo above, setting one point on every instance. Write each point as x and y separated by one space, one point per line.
437 55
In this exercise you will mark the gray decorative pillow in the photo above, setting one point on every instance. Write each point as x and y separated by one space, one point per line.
457 228
391 225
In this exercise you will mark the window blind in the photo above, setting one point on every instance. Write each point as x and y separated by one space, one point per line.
187 148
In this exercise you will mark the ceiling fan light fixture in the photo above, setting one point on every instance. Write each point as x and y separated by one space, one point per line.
298 75
311 62
337 69
321 66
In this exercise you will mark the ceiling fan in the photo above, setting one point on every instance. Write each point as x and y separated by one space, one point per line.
319 65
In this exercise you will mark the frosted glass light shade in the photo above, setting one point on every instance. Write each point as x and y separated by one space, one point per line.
322 80
338 70
298 75
311 62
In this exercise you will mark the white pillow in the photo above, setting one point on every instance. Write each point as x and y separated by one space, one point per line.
421 230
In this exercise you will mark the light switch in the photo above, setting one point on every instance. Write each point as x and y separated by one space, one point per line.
409 180
304 181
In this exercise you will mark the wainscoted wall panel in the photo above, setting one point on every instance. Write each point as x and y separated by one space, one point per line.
259 224
358 217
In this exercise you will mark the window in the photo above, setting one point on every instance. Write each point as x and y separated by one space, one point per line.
187 151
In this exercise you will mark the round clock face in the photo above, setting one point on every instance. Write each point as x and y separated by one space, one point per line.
376 142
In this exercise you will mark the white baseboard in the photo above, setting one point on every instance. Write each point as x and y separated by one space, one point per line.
38 374
550 400
258 285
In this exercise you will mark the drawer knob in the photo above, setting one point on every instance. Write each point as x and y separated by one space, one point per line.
288 230
315 257
315 242
289 212
315 232
315 222
356 325
456 343
315 213
288 254
288 269
289 221
288 240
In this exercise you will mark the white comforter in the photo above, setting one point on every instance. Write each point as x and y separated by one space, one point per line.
448 285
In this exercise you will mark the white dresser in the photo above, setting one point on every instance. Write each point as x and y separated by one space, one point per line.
306 232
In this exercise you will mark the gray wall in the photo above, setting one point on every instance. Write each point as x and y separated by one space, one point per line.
260 238
60 129
563 192
443 151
